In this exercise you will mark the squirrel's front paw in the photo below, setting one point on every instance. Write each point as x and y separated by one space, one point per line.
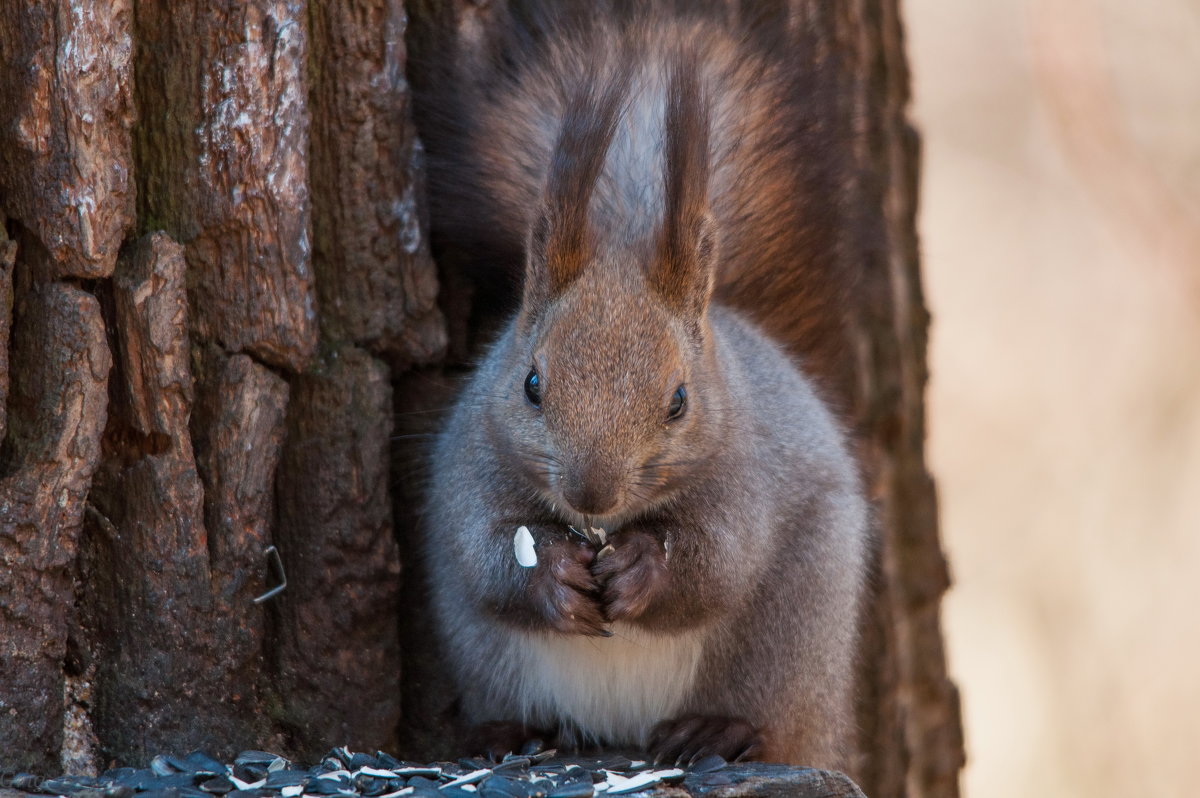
633 573
563 591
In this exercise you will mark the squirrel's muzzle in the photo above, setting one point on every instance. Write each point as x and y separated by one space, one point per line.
592 490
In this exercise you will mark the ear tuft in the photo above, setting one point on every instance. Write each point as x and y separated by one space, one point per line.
682 271
560 240
683 275
537 289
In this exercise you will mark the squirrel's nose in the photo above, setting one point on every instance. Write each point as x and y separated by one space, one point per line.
592 491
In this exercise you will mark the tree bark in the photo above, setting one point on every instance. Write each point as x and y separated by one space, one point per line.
56 411
8 258
222 165
377 284
218 305
911 743
144 572
65 148
255 339
337 631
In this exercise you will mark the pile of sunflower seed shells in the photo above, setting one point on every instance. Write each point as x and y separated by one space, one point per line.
345 774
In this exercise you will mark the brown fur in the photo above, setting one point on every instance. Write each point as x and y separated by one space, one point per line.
777 174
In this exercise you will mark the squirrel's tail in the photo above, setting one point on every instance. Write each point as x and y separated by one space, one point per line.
491 93
460 68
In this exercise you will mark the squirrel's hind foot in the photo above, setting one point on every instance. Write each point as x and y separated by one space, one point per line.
684 740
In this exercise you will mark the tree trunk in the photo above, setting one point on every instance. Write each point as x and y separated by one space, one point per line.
217 303
236 415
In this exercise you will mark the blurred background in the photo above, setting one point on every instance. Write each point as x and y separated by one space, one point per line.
1060 223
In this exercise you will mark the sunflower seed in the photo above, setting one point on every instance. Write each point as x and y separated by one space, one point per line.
335 775
358 761
327 786
56 786
200 762
616 763
243 784
418 771
579 789
218 785
512 764
499 787
175 781
169 792
523 548
469 778
250 772
253 792
116 774
619 785
465 791
370 785
286 778
255 758
90 792
708 764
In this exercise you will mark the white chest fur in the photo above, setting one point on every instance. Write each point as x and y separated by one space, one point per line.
612 689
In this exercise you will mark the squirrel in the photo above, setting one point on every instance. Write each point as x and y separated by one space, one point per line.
644 525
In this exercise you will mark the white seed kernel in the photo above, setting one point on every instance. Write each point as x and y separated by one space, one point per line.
523 547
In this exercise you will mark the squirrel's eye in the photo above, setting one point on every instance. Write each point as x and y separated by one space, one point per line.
533 388
678 404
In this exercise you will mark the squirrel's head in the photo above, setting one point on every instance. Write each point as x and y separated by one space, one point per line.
613 394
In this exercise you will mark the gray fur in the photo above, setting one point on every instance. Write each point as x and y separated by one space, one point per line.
753 492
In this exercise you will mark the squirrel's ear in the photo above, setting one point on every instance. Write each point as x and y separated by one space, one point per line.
536 291
686 256
683 273
560 239
554 258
